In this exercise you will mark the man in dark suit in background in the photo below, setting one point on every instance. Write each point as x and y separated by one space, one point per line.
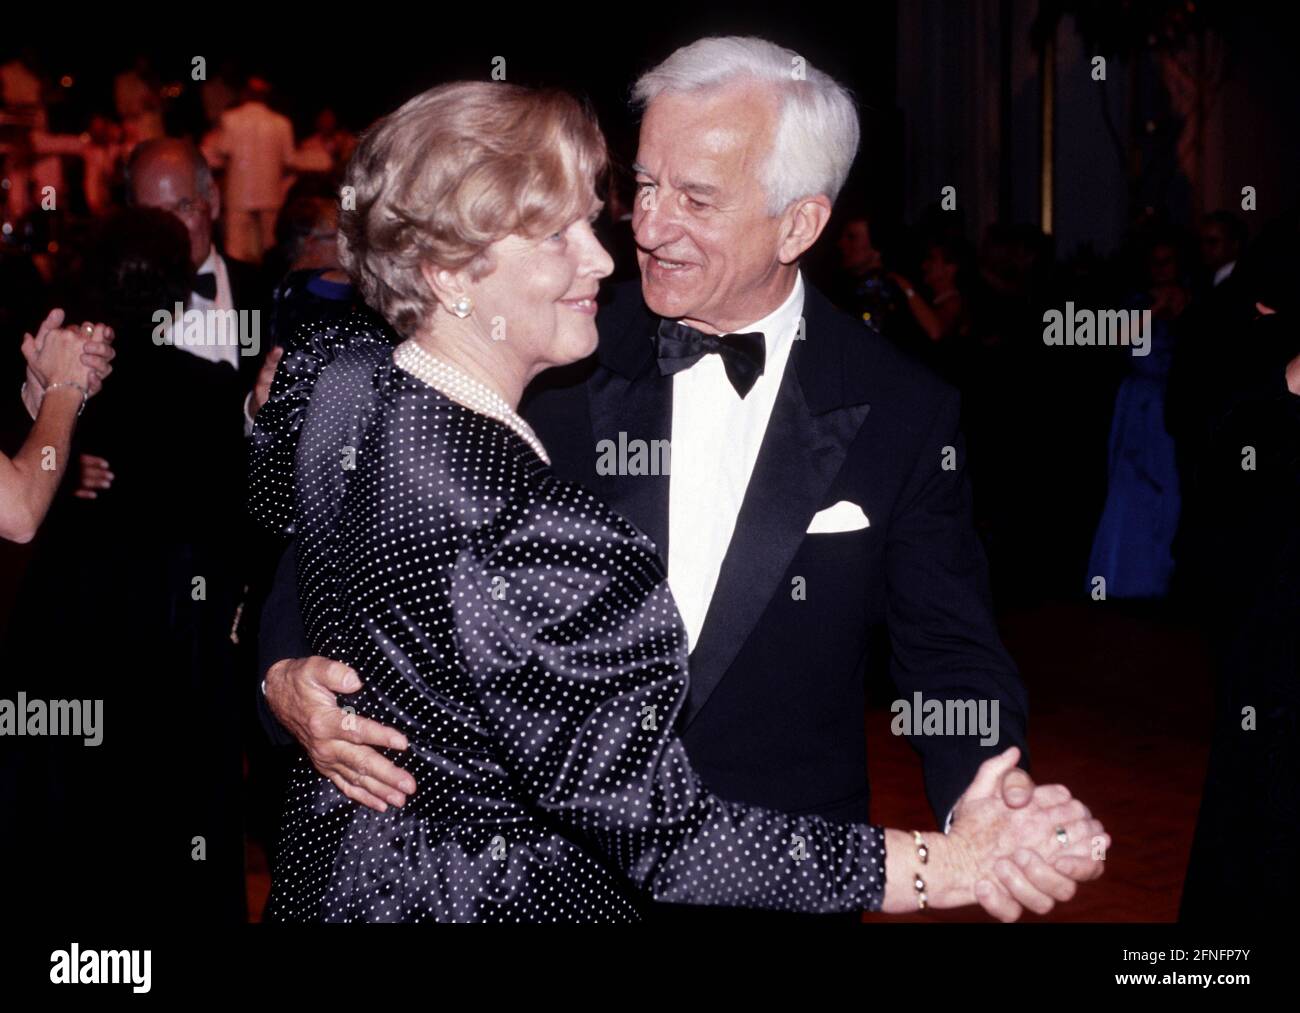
816 488
189 464
173 176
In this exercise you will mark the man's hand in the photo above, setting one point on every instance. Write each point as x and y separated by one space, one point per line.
1025 879
97 353
301 694
1016 788
95 477
1028 880
262 388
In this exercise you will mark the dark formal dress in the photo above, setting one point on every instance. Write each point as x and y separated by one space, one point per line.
523 637
775 714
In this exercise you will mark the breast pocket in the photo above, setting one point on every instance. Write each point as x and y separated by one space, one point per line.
835 565
840 517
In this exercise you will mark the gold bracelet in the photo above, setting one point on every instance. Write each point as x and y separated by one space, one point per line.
923 854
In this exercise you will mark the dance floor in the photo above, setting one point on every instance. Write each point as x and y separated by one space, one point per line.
1120 712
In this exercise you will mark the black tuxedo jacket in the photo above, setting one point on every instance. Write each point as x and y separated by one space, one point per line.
778 676
249 290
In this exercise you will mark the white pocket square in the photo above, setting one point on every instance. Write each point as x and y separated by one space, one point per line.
843 516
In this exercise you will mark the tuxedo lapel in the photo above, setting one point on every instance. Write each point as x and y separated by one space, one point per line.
816 417
245 296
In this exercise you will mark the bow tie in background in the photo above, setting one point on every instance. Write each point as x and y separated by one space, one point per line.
680 346
205 284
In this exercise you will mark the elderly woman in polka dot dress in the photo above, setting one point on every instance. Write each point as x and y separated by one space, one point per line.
519 633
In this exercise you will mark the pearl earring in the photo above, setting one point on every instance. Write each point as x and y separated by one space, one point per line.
462 307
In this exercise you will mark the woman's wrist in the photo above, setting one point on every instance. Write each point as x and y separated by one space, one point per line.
71 380
952 875
924 871
55 387
70 390
930 865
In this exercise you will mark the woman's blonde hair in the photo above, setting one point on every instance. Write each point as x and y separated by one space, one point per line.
451 172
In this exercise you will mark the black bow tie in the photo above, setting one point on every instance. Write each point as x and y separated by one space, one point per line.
205 284
680 346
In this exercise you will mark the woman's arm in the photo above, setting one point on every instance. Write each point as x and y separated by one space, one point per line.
30 479
938 321
278 421
578 655
579 658
925 317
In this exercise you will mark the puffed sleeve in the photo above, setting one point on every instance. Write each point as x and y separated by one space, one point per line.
278 425
564 619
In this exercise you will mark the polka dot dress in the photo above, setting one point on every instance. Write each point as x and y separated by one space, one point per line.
523 638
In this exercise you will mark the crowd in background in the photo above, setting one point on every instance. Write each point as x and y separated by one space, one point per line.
1082 457
1086 462
147 553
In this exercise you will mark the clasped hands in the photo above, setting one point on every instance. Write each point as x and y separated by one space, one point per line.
65 355
1011 845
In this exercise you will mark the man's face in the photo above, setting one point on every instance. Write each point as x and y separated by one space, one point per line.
706 245
168 183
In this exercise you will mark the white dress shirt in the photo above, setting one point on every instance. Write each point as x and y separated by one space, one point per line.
1222 274
716 436
221 342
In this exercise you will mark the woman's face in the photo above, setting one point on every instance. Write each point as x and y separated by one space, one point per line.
539 299
937 272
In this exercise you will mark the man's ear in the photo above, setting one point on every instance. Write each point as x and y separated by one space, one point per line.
214 202
446 286
805 220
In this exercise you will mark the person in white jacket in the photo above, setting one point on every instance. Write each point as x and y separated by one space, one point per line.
255 146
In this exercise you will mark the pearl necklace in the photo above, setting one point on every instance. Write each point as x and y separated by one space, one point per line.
464 390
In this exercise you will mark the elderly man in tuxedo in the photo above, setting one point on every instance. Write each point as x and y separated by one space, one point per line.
816 490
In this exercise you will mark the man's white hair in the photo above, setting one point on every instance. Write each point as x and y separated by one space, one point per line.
817 130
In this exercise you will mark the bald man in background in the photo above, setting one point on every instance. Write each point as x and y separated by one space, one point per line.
172 175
